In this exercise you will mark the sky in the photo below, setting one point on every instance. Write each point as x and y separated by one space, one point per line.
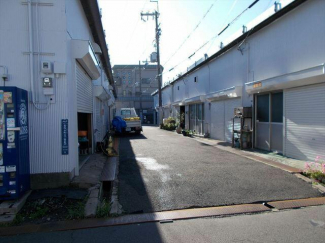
186 23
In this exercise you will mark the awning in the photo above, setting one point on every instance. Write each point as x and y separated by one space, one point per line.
196 99
83 52
101 93
178 103
312 75
232 92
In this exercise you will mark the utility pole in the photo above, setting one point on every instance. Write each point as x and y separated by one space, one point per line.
158 33
140 79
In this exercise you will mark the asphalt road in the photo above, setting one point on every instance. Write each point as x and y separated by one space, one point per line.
300 225
161 170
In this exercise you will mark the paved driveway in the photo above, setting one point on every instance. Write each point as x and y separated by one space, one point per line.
162 170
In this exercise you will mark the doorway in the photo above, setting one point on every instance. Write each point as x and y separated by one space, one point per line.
197 118
269 121
85 139
182 116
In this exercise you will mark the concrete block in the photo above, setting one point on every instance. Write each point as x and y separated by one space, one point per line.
13 207
49 180
91 207
7 218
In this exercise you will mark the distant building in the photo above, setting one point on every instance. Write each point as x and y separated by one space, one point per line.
133 93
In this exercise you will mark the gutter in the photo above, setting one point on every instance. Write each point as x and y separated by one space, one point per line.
91 10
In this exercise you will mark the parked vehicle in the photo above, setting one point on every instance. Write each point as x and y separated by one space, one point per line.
133 122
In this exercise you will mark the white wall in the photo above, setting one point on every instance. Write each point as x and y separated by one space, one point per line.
292 43
58 23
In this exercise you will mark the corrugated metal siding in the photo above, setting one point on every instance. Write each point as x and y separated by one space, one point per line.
45 134
222 113
218 120
84 91
230 105
305 122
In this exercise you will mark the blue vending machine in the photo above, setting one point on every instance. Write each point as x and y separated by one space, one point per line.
14 143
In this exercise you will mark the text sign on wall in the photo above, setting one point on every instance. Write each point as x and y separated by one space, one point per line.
65 136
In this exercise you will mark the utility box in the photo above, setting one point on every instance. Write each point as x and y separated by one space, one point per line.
153 57
14 143
244 112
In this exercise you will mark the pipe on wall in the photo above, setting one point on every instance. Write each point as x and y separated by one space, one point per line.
31 55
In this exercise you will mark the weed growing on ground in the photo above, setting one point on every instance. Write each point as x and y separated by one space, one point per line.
76 211
103 210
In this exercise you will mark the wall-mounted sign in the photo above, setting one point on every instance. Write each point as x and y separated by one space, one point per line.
65 136
257 85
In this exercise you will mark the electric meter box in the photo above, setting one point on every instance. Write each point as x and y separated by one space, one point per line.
14 143
46 67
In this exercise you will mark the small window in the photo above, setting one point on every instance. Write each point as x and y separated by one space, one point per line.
177 87
263 108
277 107
195 79
125 112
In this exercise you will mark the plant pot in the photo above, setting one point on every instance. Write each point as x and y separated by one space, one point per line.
179 130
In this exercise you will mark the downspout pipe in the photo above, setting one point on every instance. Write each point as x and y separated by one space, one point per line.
31 57
31 50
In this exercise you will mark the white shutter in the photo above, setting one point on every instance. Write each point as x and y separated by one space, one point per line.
98 120
218 120
305 122
230 105
84 91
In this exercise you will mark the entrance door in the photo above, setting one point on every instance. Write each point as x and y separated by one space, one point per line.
182 116
197 118
269 122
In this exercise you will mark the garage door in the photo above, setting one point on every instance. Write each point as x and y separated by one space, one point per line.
218 120
222 113
84 91
305 122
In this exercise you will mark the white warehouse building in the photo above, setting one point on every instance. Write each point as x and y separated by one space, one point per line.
277 68
61 42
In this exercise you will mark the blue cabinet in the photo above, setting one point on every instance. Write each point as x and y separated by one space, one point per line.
14 143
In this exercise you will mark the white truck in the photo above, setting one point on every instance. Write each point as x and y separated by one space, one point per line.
133 122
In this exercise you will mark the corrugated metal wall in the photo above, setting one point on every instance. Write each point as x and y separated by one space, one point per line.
305 122
45 134
84 91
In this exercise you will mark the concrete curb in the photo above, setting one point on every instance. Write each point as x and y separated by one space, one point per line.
116 207
164 216
92 201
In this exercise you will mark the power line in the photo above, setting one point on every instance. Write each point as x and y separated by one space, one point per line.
216 36
188 37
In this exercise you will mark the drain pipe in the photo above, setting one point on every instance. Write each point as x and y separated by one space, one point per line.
31 57
31 50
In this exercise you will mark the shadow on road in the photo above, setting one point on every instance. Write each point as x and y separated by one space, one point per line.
133 195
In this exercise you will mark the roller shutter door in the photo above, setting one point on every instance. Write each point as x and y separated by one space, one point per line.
305 122
222 113
84 91
218 120
99 121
